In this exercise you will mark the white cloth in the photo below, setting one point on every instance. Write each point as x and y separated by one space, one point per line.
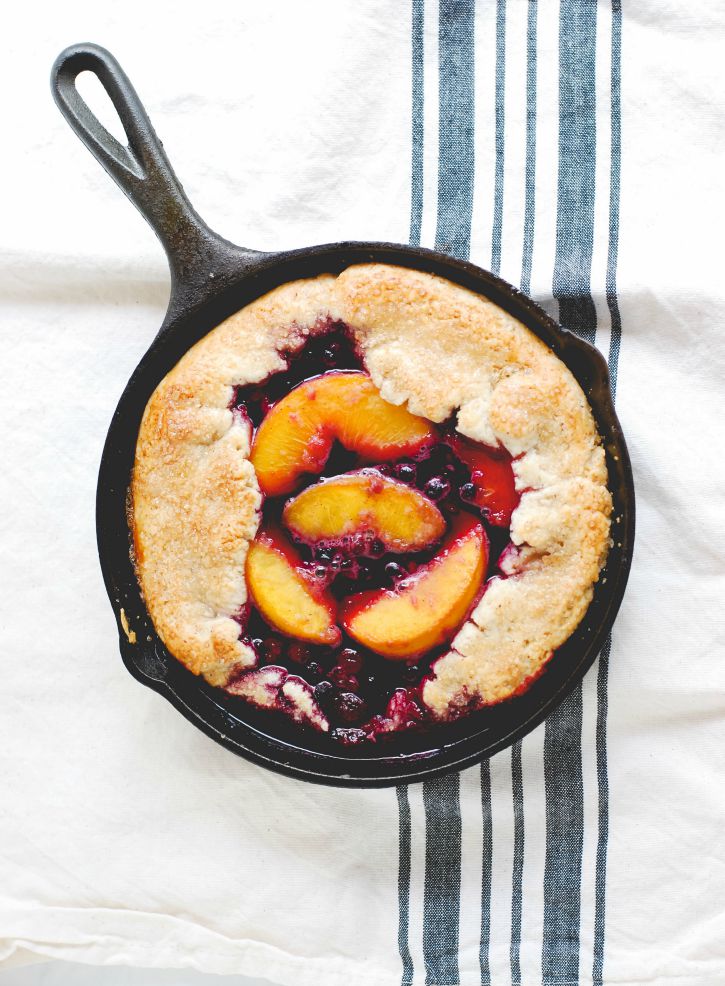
127 836
60 972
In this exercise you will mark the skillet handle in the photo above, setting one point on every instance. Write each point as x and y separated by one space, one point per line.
143 172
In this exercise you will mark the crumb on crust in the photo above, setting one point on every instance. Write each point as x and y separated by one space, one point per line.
130 634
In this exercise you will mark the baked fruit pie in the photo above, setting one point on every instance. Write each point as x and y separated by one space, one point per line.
371 502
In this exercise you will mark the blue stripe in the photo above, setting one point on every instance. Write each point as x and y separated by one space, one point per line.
416 194
603 813
441 798
486 867
564 840
530 193
577 148
497 230
614 345
572 287
404 883
455 126
517 780
517 880
614 193
442 893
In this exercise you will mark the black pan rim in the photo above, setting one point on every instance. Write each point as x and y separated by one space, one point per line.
255 279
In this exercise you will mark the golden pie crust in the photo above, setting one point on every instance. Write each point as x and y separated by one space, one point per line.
441 350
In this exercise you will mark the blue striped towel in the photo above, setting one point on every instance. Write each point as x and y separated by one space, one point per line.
570 145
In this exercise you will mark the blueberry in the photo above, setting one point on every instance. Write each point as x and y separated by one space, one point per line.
394 571
467 491
350 707
324 693
314 671
437 488
344 678
377 548
320 572
257 643
350 660
410 673
405 472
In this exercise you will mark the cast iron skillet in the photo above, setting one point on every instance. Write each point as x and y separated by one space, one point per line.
210 279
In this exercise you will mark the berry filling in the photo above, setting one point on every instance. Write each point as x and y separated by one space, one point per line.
378 535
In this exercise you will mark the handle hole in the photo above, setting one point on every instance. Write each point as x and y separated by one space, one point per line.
99 102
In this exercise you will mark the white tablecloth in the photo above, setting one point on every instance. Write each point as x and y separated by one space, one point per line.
126 836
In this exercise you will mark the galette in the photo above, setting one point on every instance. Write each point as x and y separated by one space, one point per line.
370 502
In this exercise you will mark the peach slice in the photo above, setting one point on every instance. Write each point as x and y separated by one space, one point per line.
425 609
286 595
297 434
366 503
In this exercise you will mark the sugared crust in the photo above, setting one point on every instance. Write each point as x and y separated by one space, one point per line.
441 349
